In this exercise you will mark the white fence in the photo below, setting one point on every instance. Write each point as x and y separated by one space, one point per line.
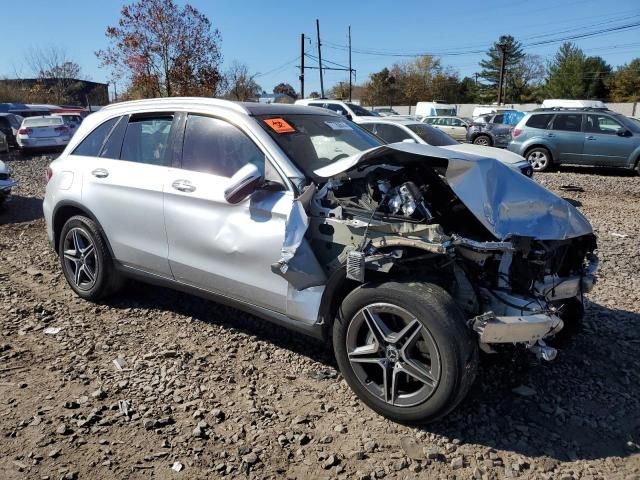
466 109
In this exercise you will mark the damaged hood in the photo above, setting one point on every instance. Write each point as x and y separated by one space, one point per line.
506 202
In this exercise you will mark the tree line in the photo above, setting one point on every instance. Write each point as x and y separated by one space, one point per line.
570 74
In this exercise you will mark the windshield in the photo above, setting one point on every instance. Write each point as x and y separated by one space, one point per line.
315 141
359 111
631 123
446 112
432 136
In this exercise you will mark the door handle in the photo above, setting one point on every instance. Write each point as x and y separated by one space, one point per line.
100 173
551 134
184 186
590 137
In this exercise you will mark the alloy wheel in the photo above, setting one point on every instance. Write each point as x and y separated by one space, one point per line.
482 140
80 259
393 354
538 160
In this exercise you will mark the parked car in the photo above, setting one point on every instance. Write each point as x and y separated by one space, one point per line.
9 125
454 126
4 144
45 132
493 130
384 111
406 131
579 137
435 108
6 183
482 110
407 256
71 120
349 110
565 103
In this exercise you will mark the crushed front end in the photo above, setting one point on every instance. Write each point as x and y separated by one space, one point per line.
516 258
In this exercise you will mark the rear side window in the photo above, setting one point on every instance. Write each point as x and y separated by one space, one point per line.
113 145
146 138
539 121
217 147
92 144
568 122
498 119
391 133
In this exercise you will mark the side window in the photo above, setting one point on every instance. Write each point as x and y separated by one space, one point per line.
113 145
567 122
456 122
92 144
539 121
217 147
601 124
336 108
371 127
392 133
145 140
498 118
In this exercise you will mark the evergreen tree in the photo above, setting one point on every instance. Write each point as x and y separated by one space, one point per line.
513 54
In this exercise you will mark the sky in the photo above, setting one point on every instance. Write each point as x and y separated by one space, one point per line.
266 35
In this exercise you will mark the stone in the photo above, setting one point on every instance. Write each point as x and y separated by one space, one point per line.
177 466
411 448
330 462
400 464
340 428
99 394
524 391
250 458
62 429
120 364
457 462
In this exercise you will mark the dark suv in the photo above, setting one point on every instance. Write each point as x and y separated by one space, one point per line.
597 137
9 125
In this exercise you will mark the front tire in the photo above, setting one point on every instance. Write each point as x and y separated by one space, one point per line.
85 259
404 349
539 158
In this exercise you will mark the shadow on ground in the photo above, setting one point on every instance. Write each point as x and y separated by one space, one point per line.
582 407
20 210
604 171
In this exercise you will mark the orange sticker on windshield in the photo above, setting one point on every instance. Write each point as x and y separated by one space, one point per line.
279 125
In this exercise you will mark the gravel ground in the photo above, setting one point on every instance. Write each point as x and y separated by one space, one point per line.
158 384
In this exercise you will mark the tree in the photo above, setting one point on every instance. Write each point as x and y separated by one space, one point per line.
56 72
525 81
596 78
380 89
513 54
314 94
164 50
625 85
567 73
240 84
285 89
340 91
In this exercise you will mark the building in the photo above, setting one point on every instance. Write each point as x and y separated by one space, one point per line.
63 91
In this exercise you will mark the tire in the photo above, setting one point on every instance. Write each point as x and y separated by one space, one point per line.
97 277
484 140
438 329
540 159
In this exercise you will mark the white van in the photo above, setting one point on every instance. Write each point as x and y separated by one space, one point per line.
562 103
487 109
435 109
350 110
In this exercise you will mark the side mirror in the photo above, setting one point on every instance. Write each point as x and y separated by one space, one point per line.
243 183
622 132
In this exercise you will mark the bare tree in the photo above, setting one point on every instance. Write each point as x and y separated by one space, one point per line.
240 84
56 72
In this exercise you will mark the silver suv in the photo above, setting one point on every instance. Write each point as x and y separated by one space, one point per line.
408 257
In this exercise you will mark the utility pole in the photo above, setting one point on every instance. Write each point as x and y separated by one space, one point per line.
350 70
476 75
302 65
320 59
501 47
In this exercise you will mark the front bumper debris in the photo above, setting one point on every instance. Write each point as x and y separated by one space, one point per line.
515 329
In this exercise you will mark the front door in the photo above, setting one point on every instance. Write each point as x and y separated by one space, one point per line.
213 245
602 144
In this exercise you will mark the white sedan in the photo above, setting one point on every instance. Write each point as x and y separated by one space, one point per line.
44 132
392 131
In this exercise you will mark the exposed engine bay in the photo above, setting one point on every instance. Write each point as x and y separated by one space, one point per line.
515 258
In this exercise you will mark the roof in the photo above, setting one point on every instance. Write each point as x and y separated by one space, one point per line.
389 121
247 108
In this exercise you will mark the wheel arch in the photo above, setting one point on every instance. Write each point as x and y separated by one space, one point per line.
67 209
538 144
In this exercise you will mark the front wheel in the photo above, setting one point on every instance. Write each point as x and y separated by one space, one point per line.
404 350
483 140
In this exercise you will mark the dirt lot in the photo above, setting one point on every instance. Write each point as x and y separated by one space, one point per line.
215 392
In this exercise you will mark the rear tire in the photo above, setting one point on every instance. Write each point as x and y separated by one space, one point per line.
428 371
85 259
484 140
539 158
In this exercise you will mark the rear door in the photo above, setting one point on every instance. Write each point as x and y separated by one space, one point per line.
213 245
457 129
567 138
602 144
123 179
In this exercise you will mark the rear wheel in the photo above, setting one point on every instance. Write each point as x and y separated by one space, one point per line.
404 350
484 140
539 158
86 262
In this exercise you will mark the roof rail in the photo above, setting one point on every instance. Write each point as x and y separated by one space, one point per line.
182 100
575 109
